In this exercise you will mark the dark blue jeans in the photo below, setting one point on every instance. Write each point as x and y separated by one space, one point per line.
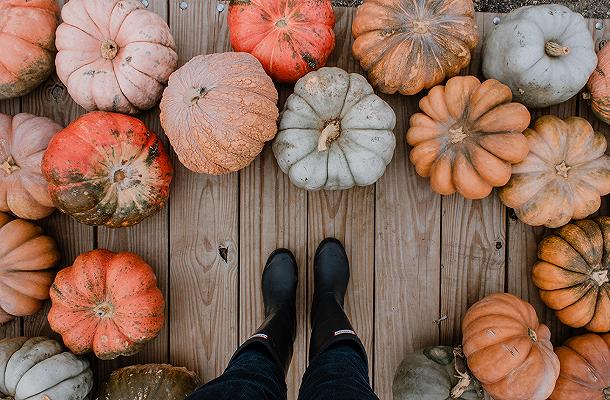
339 373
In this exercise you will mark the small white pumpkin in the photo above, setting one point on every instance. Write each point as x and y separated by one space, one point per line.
334 132
545 54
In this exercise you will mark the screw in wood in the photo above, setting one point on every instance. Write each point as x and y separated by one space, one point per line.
496 20
599 26
220 7
183 5
145 3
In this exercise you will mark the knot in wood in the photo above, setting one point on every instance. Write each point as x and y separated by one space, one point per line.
9 165
562 169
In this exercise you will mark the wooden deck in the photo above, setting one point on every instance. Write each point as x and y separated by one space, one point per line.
418 260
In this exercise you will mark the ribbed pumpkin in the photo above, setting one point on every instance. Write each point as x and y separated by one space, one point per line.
106 302
564 175
508 350
218 111
114 55
599 86
107 169
572 273
27 40
27 258
289 38
468 136
407 45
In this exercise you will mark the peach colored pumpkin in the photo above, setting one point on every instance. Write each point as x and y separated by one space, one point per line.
114 55
599 86
27 44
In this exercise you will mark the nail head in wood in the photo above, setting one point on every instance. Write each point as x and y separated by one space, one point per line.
220 7
183 5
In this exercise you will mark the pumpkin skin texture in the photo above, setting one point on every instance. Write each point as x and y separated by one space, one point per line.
468 136
23 189
599 86
106 302
407 46
572 273
27 40
218 122
334 133
38 368
149 382
563 176
27 259
290 38
107 169
544 53
508 350
114 55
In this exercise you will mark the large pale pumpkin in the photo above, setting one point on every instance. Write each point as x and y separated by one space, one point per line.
407 45
468 136
27 259
544 53
218 111
107 169
289 38
599 86
335 132
27 43
508 350
114 55
106 302
572 273
564 175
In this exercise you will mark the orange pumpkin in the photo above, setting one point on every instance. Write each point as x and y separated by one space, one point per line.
27 258
218 122
508 350
27 43
599 86
407 45
585 368
106 302
468 136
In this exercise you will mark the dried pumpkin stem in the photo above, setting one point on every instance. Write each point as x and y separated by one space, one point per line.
329 134
104 310
9 165
532 334
554 49
456 135
192 96
607 393
464 378
600 277
562 169
109 49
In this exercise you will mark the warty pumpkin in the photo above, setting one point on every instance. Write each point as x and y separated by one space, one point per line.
508 350
27 40
407 45
289 38
599 86
564 175
114 55
468 136
572 273
108 303
218 122
107 169
27 259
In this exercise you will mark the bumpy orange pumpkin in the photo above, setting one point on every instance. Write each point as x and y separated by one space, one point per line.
407 45
106 302
27 44
468 136
599 86
508 350
218 111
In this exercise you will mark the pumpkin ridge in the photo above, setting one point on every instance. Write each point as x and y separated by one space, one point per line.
584 360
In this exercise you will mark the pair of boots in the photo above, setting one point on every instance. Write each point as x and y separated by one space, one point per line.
329 322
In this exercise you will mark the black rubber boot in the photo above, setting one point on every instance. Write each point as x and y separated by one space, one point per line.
329 323
277 333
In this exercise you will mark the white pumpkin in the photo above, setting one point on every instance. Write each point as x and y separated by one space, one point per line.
334 132
545 54
39 369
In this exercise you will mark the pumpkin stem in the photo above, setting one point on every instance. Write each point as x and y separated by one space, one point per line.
562 169
119 175
281 23
9 165
600 277
103 310
607 393
109 49
192 96
554 49
464 378
532 334
421 27
456 135
329 134
586 96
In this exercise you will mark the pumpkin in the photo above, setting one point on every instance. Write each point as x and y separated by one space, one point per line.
27 259
407 45
508 350
289 38
106 302
218 122
468 136
435 373
572 273
23 189
107 169
114 55
563 176
38 368
585 368
149 382
27 40
599 86
334 133
544 53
